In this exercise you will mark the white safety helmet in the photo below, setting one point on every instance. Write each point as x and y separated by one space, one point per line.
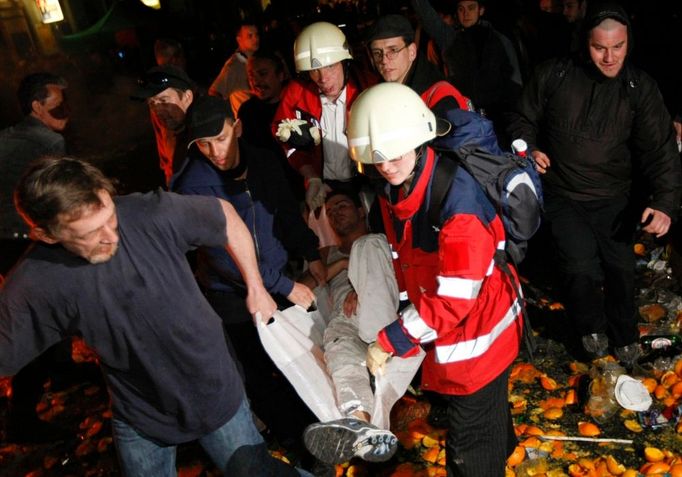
387 121
318 45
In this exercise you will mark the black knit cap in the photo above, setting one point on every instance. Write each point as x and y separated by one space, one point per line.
598 12
390 26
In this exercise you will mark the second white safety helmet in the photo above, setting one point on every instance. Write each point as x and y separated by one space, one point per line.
387 121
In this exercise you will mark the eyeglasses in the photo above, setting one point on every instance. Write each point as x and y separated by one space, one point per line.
389 54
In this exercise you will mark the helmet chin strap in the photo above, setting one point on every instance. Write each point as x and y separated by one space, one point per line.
420 152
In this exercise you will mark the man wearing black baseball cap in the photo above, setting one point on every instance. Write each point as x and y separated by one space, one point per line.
168 92
252 180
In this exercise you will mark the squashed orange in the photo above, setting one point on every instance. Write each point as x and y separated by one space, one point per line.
614 467
517 456
588 429
654 468
553 413
650 384
652 454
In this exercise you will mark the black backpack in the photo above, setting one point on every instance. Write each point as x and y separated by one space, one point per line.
510 182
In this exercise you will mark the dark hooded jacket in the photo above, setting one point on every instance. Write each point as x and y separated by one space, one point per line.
265 203
600 132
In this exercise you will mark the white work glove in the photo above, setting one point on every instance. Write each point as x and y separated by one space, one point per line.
298 133
376 358
316 193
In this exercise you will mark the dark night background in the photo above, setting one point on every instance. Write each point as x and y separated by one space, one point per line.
102 46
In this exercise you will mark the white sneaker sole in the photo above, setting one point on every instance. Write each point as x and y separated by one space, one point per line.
339 441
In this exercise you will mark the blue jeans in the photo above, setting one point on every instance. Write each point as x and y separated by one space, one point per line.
237 448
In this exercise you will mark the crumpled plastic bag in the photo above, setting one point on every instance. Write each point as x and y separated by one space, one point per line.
293 340
290 340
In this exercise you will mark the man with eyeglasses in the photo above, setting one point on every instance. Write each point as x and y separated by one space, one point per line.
168 92
396 57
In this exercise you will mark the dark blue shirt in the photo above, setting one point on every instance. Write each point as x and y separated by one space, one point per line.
161 344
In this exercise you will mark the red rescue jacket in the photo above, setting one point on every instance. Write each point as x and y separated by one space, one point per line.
465 312
301 100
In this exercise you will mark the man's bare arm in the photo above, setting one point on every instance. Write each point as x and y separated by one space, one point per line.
241 249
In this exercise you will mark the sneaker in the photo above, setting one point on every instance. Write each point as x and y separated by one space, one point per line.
596 345
628 354
336 442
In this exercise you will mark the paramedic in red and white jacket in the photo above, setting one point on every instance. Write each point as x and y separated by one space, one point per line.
465 312
311 118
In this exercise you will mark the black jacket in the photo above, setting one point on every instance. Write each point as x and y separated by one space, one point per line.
480 61
423 75
480 65
599 133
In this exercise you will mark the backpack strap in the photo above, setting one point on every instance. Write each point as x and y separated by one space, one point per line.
443 174
391 237
527 336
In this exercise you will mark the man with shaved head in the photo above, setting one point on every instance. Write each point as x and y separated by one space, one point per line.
593 122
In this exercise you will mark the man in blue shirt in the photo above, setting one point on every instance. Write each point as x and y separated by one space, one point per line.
114 270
